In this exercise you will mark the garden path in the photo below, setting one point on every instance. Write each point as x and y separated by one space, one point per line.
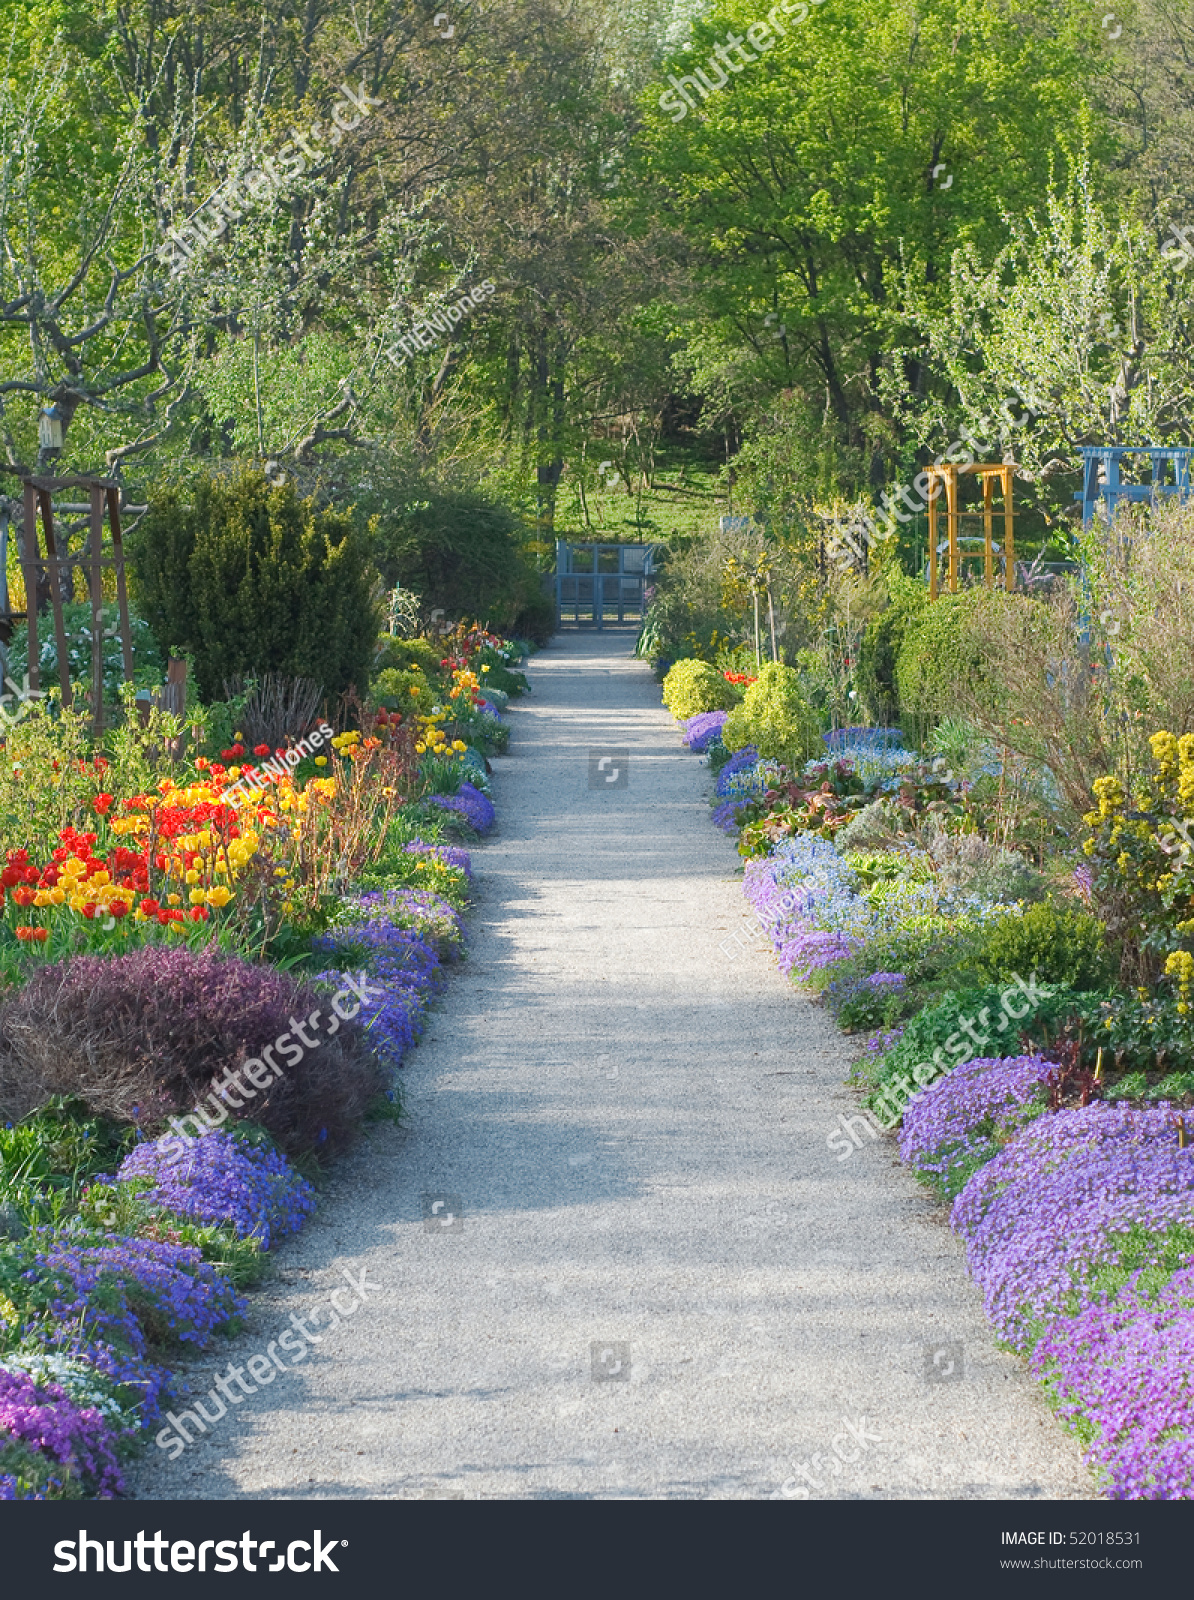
628 1130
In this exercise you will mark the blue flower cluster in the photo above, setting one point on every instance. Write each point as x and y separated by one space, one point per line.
101 1299
701 730
740 761
428 913
220 1178
863 741
405 963
476 808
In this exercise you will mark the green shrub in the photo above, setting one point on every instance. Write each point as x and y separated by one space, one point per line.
1067 947
405 653
694 686
775 717
939 1027
936 654
882 639
499 676
249 579
462 552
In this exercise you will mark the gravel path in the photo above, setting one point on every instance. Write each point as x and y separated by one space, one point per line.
656 1280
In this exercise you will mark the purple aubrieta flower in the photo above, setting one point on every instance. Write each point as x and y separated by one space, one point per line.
701 730
468 802
1122 1371
449 854
971 1111
222 1179
101 1300
43 1417
740 761
1057 1204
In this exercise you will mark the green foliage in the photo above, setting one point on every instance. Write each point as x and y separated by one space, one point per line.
716 756
499 675
880 649
462 552
403 654
1064 947
775 717
937 653
694 686
932 1029
249 579
149 667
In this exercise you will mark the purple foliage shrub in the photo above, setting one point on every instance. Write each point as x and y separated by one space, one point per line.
140 1037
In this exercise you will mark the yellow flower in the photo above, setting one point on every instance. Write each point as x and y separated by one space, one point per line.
173 899
192 876
197 897
321 761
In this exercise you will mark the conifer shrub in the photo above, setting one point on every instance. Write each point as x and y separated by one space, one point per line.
247 579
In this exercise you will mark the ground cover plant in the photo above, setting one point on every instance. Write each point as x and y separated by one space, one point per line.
217 958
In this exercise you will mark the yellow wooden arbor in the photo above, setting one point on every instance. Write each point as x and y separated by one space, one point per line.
945 482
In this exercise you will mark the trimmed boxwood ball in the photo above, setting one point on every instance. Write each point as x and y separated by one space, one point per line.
776 718
694 686
140 1037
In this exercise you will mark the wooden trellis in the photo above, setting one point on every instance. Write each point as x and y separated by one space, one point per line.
54 570
945 478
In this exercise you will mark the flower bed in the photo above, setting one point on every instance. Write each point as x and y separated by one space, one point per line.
1069 1160
144 1168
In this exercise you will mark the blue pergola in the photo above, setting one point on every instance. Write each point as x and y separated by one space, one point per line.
1169 474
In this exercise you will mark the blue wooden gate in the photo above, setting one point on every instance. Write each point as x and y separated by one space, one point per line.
598 584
